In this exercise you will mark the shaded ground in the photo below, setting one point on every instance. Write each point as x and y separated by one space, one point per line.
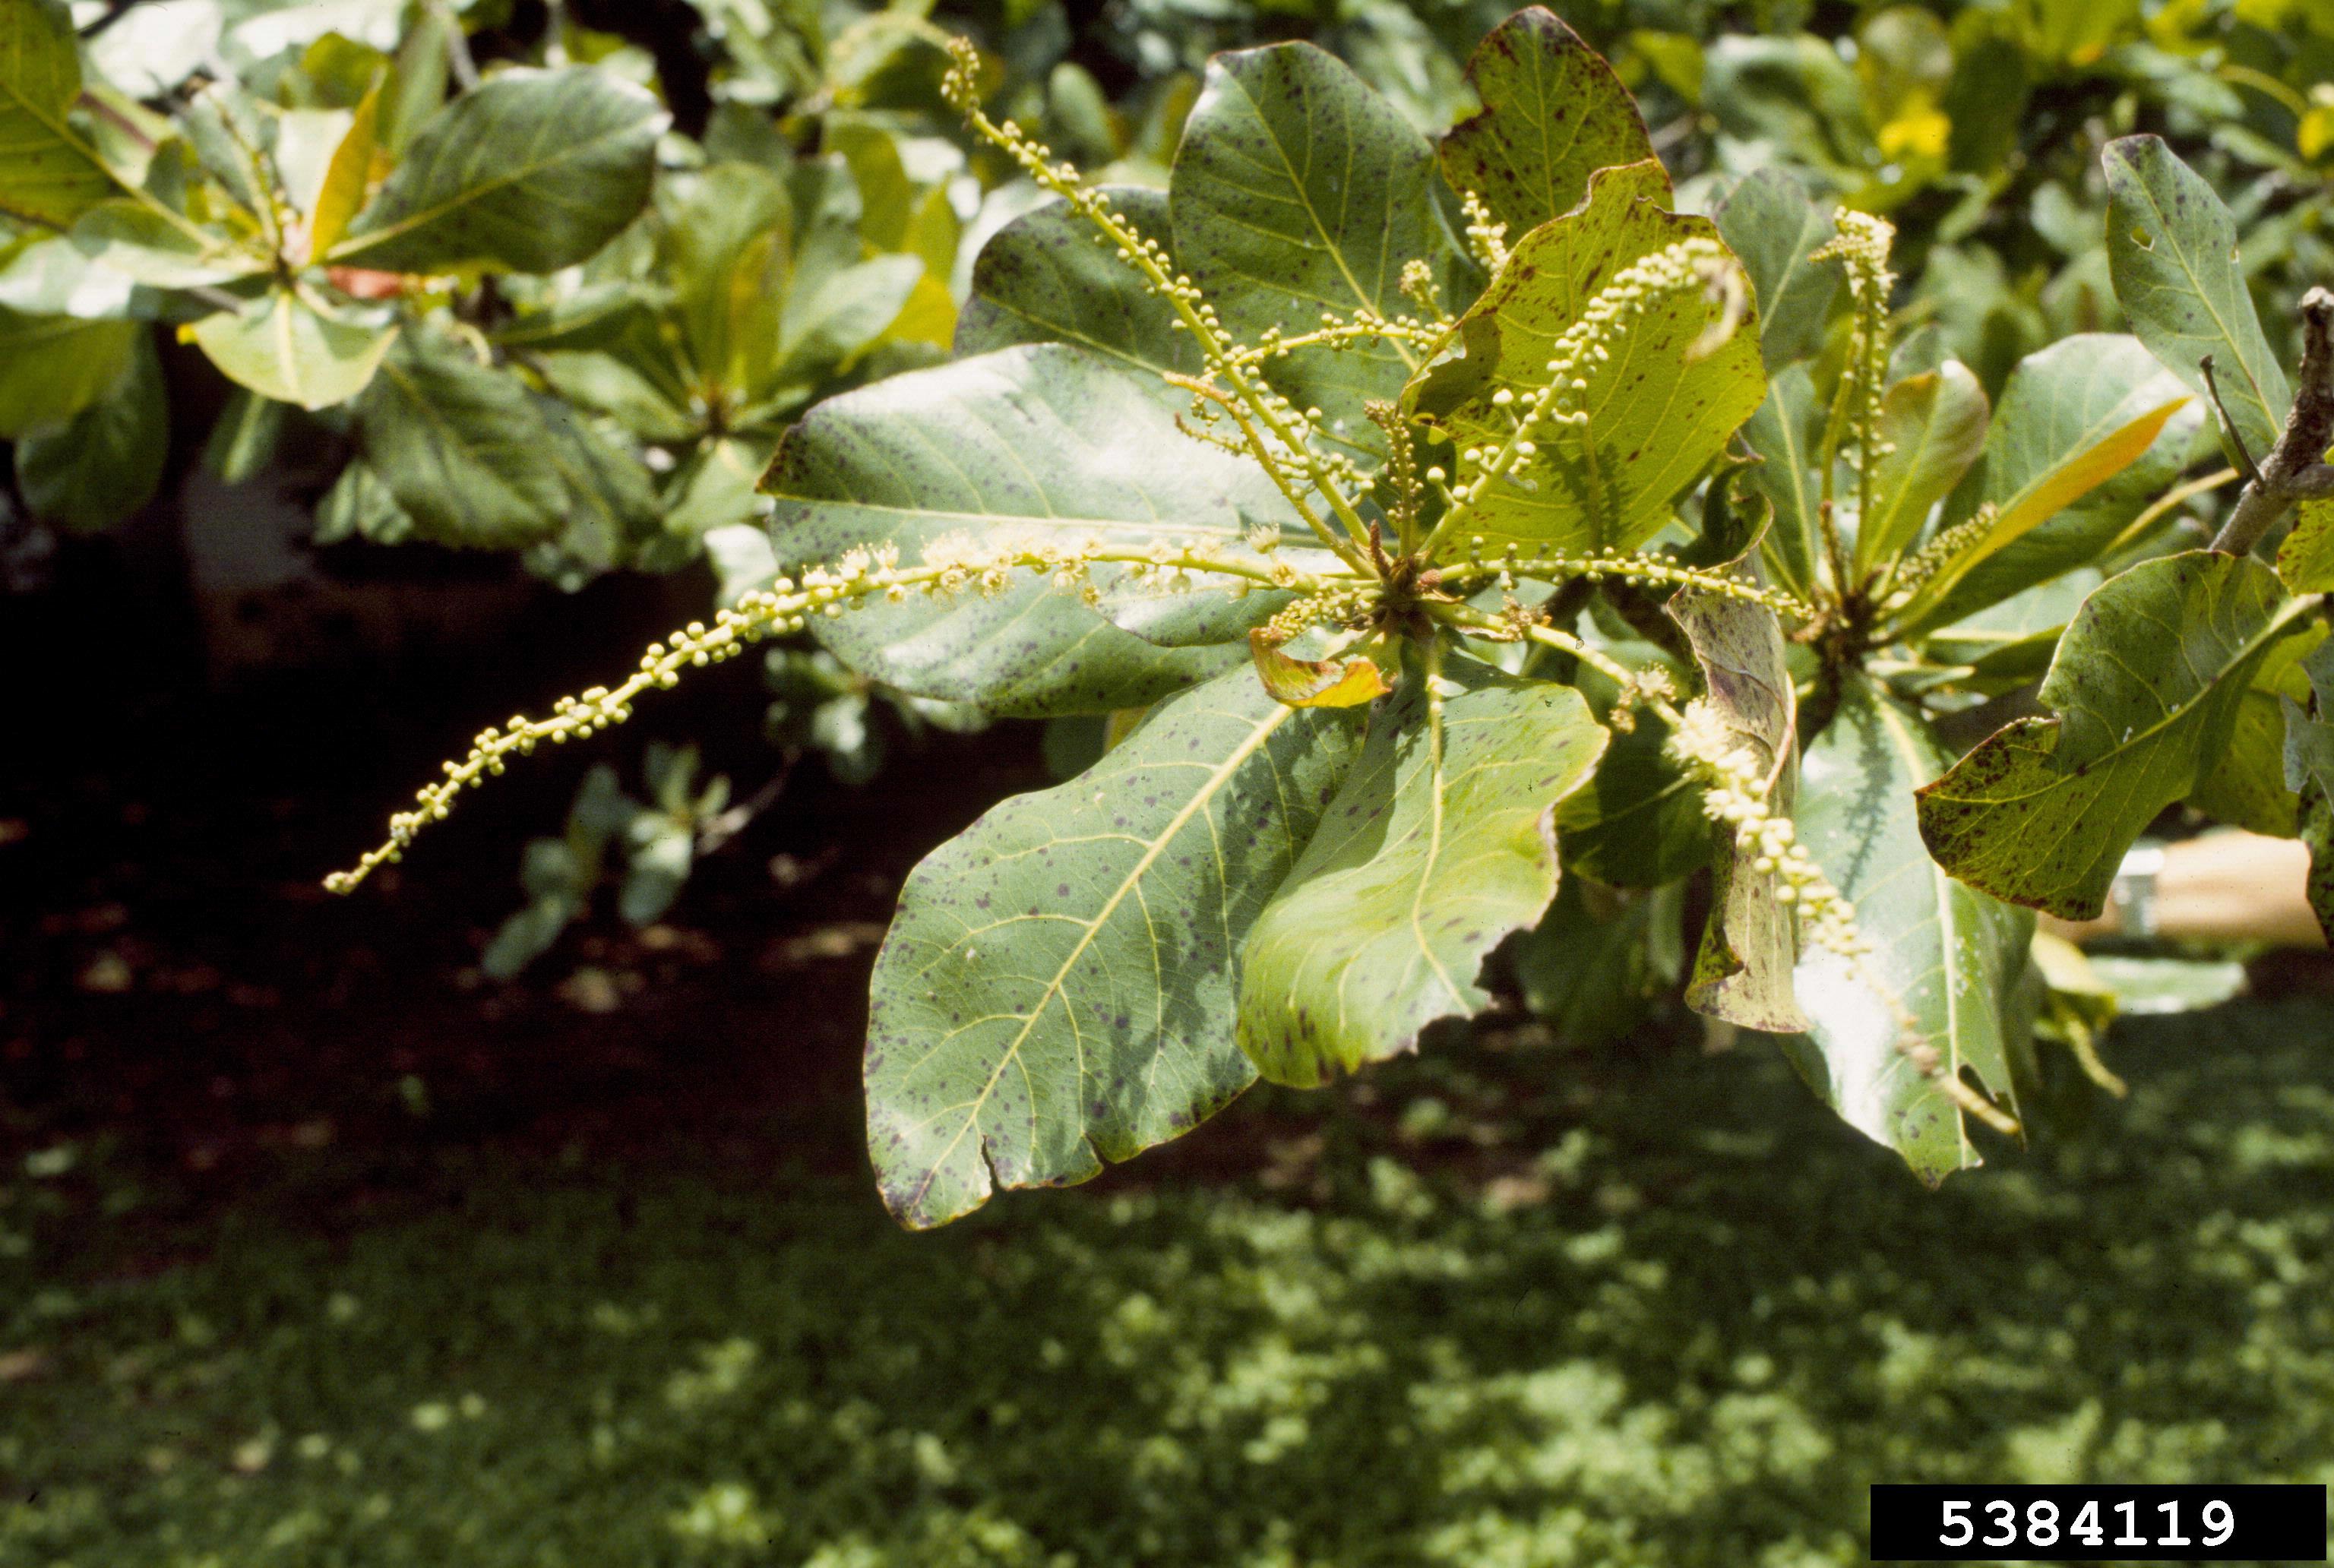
316 1248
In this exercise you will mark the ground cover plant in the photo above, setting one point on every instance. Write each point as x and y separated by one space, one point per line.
1454 512
1571 1308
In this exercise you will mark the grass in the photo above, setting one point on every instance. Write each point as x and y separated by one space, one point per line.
1682 1319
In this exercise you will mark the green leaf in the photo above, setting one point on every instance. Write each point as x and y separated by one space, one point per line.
464 449
1043 278
1657 414
53 367
1045 439
533 171
1742 971
94 472
1786 431
1639 822
2305 562
1950 955
2072 418
1934 425
1597 966
1769 222
147 244
360 506
2172 250
2146 685
1058 986
613 511
1553 114
48 174
286 349
1439 843
1298 190
2245 785
831 317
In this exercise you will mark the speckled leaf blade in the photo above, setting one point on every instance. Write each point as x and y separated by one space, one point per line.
1058 986
1934 424
48 174
1044 439
1553 114
1296 191
1656 416
2147 683
1951 955
1742 971
286 349
533 171
1441 842
2305 562
2172 252
1044 278
1769 221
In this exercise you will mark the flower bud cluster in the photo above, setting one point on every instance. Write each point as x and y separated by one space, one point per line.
1862 247
1623 566
1940 553
1734 794
1487 237
1642 285
953 563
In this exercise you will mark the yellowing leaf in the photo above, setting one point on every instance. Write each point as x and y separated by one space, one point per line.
288 350
1315 682
347 178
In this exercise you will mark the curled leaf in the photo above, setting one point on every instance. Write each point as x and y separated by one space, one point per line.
1315 682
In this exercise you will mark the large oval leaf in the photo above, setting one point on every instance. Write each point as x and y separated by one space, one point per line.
1951 955
1934 425
1044 278
1769 222
286 349
2146 684
2172 251
1298 190
49 174
462 447
1553 114
1440 845
1045 440
1058 986
1657 413
533 171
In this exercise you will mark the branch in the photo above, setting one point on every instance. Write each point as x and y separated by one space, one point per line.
2296 467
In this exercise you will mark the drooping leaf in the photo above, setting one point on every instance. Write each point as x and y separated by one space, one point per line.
1936 425
1639 821
2147 683
2172 250
1297 190
360 506
1058 988
48 173
53 367
1659 407
726 244
95 471
1043 278
1553 114
1772 224
1952 957
463 448
1439 843
831 318
612 514
1044 440
1742 971
1315 682
284 348
533 171
1600 962
2073 416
